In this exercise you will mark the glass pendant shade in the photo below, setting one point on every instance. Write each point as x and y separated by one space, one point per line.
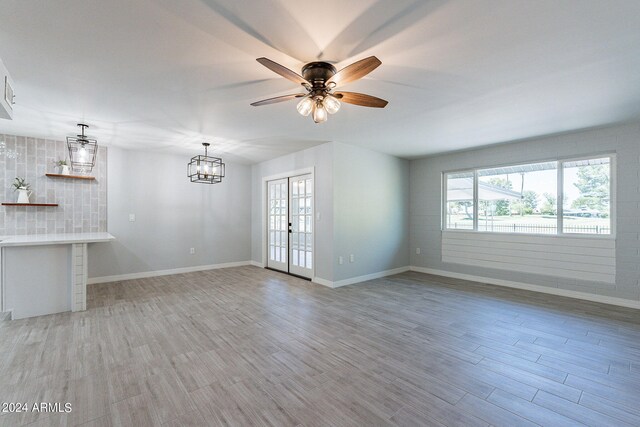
205 169
305 106
331 104
82 151
319 113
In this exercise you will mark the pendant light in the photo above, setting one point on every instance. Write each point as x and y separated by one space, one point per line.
82 151
205 169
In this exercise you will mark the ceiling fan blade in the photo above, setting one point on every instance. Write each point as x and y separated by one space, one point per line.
277 99
283 71
361 99
355 71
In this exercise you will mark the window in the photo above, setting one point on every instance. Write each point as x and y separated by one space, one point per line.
460 200
524 198
586 196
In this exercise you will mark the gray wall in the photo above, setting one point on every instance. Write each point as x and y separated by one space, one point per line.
82 204
425 203
371 211
172 216
321 158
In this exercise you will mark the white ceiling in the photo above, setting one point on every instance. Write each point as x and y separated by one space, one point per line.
167 75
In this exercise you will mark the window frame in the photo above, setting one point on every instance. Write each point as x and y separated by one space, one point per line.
560 161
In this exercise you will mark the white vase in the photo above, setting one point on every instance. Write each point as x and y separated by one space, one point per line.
23 195
64 170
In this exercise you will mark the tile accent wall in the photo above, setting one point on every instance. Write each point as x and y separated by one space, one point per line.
82 204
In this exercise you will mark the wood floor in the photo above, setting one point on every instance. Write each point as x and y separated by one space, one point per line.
247 346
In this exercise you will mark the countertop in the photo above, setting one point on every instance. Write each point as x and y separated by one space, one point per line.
54 239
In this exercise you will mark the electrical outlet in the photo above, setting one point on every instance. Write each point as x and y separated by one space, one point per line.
417 251
340 260
352 258
192 251
132 217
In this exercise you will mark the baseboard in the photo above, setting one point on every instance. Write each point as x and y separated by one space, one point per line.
323 282
529 287
256 264
359 279
156 273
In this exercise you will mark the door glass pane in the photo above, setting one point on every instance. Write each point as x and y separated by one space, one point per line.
277 203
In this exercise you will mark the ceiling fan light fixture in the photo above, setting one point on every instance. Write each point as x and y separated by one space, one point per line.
319 112
305 106
320 78
331 104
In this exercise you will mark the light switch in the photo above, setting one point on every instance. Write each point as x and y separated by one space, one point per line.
132 217
352 258
340 260
417 251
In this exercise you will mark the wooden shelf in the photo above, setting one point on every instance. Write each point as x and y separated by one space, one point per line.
29 204
57 175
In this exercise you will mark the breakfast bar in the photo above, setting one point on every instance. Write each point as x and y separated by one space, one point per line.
45 274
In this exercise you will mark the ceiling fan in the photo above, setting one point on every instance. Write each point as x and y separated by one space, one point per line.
320 79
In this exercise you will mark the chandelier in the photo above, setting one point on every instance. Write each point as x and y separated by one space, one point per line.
205 169
82 151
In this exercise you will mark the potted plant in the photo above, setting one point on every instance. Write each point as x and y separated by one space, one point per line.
24 190
63 167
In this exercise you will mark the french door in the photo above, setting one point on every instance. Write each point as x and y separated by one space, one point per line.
290 225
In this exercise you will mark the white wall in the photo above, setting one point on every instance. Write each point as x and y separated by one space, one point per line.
371 211
363 200
172 216
321 159
426 208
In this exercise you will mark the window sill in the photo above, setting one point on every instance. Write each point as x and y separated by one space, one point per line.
561 236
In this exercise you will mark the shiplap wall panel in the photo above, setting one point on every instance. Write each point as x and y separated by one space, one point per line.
584 258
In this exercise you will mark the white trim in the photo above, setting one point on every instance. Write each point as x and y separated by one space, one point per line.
323 282
560 199
476 201
559 194
529 287
256 264
156 273
358 279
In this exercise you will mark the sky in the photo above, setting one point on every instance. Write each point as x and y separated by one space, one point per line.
544 181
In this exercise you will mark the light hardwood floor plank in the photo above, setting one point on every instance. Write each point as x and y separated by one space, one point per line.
248 346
